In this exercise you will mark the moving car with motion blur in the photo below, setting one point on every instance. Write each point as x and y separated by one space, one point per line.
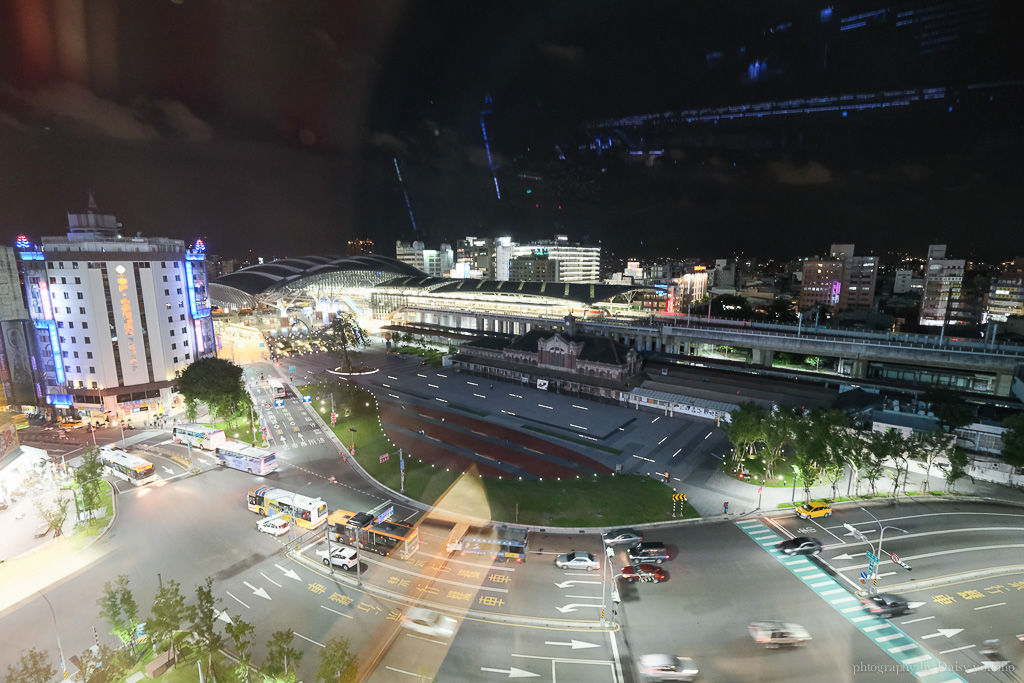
885 605
801 545
666 668
623 536
776 634
428 622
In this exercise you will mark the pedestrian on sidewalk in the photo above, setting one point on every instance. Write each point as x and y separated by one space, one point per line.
725 508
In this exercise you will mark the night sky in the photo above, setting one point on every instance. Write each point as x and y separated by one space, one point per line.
274 126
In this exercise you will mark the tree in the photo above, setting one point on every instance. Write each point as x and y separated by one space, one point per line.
33 667
341 337
88 475
119 609
241 633
54 514
203 615
899 457
744 428
810 450
282 658
837 446
957 467
873 461
213 381
1013 440
103 664
168 613
337 662
928 447
776 431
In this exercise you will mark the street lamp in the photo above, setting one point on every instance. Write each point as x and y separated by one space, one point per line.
878 555
63 665
352 451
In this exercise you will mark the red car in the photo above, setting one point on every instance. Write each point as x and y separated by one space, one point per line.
644 573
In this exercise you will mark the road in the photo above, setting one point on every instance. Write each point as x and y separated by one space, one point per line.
520 619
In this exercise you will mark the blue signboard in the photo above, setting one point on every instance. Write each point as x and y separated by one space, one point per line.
291 368
307 398
278 402
384 515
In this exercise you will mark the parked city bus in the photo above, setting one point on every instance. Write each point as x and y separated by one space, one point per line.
199 436
304 511
384 537
277 388
242 456
126 466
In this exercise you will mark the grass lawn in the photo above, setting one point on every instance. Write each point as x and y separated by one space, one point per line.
594 501
754 473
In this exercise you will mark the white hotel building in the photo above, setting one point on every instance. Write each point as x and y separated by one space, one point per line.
115 317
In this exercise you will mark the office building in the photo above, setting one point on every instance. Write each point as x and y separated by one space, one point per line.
115 318
533 269
943 279
433 262
842 282
360 247
1006 292
576 263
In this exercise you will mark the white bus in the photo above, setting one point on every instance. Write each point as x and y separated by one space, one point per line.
242 456
277 388
199 436
304 511
129 467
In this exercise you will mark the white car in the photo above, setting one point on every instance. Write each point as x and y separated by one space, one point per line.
428 622
341 556
275 526
577 559
666 668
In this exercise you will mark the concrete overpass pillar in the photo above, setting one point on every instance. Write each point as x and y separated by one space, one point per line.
763 357
1004 384
859 368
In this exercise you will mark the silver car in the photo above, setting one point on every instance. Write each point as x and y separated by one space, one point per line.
577 559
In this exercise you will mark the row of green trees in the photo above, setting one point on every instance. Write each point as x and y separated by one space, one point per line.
174 623
821 445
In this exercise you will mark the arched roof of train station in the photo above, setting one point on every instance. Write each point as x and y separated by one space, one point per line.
241 288
281 274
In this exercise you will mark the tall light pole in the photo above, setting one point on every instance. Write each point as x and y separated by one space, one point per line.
352 451
63 665
860 535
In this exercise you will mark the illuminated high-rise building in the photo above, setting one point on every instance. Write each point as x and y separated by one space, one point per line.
943 279
115 317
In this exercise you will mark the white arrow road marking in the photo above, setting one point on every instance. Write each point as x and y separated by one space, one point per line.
569 584
167 469
574 644
237 600
844 556
223 614
572 607
947 632
270 579
258 592
914 605
512 672
289 573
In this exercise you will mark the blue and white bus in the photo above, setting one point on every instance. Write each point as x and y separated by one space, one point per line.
242 456
199 436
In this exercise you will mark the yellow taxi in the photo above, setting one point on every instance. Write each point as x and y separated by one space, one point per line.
811 510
